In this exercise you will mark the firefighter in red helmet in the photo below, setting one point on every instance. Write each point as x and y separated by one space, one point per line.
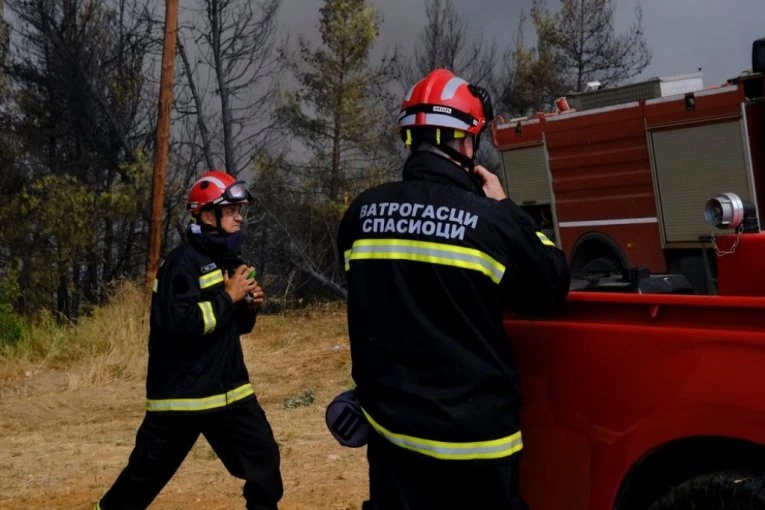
432 263
204 298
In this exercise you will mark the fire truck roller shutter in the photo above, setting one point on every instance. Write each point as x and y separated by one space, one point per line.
692 164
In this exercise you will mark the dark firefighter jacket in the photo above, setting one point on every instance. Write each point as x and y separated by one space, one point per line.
432 264
195 356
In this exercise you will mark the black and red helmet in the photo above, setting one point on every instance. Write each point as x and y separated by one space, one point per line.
216 188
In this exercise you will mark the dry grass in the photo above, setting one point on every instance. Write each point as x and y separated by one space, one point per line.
72 399
107 346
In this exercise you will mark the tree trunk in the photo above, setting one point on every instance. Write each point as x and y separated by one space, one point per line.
203 131
220 75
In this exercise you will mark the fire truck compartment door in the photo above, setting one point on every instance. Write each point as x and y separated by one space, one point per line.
526 177
692 165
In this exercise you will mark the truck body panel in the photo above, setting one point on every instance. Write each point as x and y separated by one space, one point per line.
615 376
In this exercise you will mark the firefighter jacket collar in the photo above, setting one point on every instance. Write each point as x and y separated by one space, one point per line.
425 165
223 248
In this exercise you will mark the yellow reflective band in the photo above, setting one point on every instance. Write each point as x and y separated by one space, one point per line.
408 140
438 136
208 316
544 239
200 404
493 449
421 251
347 257
155 285
210 279
458 133
97 506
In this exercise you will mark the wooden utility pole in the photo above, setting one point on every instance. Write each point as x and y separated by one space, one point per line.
162 140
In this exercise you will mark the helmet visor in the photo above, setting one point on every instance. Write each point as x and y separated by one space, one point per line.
237 192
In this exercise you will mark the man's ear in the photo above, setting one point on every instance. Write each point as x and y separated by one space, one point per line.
464 145
207 217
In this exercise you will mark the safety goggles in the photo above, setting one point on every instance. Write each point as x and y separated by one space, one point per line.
236 193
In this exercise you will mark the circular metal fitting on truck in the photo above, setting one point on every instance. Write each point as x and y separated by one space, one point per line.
724 211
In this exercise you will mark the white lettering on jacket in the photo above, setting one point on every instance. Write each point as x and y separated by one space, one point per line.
409 218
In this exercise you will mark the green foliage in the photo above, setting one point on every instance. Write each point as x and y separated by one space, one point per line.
586 45
55 208
341 107
536 77
79 180
338 126
576 43
115 332
12 326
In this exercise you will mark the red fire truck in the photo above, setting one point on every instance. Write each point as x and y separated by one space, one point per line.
647 400
619 179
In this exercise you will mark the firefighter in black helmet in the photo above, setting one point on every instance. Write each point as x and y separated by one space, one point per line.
432 262
197 382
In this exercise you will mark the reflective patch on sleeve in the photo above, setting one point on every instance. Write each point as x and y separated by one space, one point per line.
210 279
544 239
208 316
155 285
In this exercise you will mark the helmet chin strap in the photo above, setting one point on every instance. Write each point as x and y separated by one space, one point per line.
218 227
218 218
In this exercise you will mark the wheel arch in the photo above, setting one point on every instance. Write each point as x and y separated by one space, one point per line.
593 245
683 459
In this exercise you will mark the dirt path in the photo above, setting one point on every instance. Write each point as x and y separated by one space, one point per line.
62 444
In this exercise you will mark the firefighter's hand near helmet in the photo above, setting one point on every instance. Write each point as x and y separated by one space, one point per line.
238 286
491 185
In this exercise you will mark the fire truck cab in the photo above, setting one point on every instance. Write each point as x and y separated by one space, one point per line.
619 179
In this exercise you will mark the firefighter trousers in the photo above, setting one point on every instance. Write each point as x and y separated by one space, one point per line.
240 435
403 480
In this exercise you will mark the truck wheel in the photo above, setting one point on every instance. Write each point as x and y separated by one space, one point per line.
723 490
600 267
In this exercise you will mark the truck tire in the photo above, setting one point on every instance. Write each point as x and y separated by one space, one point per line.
724 490
600 267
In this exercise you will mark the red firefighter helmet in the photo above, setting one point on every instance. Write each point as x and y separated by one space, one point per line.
443 100
216 188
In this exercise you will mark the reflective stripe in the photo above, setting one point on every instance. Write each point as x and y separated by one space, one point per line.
200 404
544 239
420 251
451 88
494 449
208 316
210 279
97 506
155 285
436 119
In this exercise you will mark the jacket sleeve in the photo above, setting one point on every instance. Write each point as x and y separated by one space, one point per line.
344 239
537 278
181 309
245 317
